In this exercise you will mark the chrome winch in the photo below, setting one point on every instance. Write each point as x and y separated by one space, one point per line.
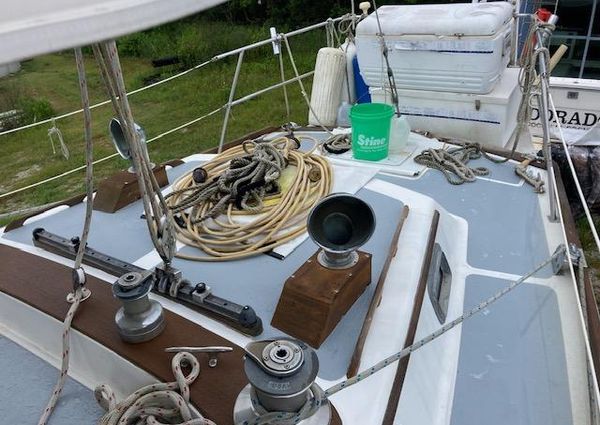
139 319
282 373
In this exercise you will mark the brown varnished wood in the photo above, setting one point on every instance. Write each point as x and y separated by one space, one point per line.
74 200
43 284
314 299
121 189
392 406
376 300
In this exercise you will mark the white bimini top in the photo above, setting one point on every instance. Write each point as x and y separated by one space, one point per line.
30 28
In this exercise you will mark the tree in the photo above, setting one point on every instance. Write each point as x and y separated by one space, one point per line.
290 13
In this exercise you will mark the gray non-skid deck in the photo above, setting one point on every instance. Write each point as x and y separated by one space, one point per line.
512 367
26 384
505 234
124 235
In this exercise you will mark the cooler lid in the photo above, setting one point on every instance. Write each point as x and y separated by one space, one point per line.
33 27
471 19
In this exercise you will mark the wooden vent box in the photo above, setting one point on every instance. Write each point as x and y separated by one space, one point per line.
314 299
121 189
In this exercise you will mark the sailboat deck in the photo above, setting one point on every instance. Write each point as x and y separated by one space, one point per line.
522 358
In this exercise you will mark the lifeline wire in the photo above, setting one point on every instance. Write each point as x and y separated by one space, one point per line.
173 77
586 209
79 275
298 77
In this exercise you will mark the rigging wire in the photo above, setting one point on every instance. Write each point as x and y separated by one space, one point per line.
390 72
586 209
158 216
301 84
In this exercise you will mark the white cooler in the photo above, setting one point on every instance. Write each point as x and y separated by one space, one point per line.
461 47
490 119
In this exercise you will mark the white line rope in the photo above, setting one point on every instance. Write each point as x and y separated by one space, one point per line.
158 217
154 404
78 294
53 132
65 359
574 173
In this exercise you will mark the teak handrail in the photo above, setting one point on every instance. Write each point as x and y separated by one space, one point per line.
376 300
392 406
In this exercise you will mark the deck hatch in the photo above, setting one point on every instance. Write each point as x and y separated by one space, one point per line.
439 282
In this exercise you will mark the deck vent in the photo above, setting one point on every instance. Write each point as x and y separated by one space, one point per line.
439 282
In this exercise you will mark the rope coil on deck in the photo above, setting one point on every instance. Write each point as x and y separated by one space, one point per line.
155 403
241 207
453 162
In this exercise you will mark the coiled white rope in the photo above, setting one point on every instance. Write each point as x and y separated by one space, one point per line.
155 404
453 163
275 220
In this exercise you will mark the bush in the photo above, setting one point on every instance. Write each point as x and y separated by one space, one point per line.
192 40
35 110
290 13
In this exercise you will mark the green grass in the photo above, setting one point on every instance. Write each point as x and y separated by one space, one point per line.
27 155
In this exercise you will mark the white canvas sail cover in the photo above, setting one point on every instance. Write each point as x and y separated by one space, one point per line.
30 28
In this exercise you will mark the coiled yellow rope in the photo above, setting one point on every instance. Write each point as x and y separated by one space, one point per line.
236 233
